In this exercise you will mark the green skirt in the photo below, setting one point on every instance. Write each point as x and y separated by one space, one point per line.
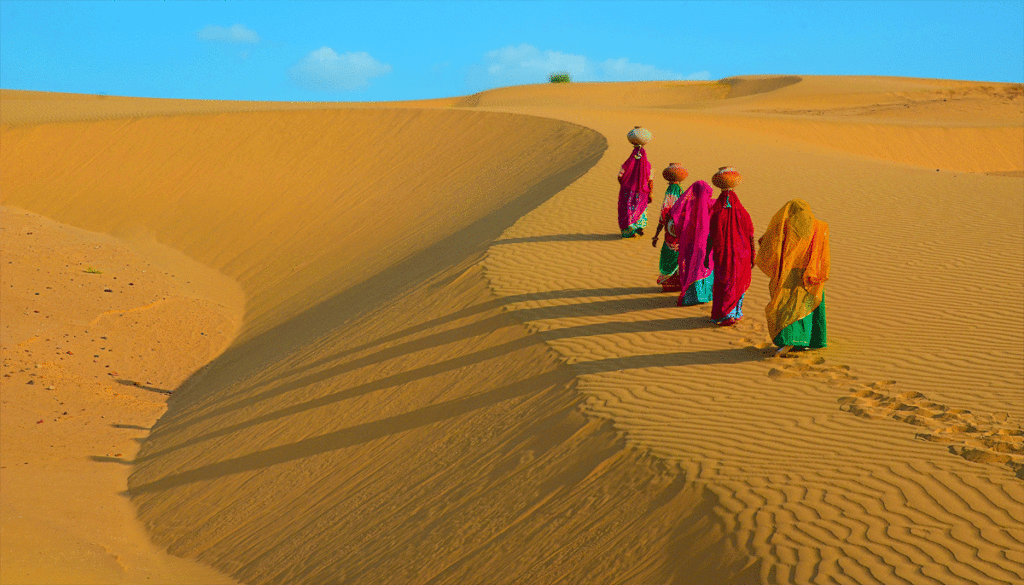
669 262
632 230
807 332
699 292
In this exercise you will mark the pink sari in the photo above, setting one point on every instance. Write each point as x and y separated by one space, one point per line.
634 191
688 227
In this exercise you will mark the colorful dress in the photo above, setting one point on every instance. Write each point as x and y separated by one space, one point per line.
634 193
794 253
668 265
687 230
732 235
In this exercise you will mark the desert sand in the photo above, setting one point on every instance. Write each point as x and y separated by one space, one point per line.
404 343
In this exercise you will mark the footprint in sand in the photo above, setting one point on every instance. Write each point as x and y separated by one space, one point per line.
800 365
986 439
981 438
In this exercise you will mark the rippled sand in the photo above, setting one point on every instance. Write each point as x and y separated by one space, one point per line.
436 361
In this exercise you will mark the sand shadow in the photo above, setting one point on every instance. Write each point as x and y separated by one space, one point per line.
448 257
489 306
360 433
134 427
479 328
105 459
431 414
134 384
561 238
723 356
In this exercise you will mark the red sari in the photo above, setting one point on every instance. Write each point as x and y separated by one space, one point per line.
731 238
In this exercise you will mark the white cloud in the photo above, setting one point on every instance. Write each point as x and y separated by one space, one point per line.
527 64
236 33
325 70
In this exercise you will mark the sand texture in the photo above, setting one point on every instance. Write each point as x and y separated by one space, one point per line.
433 359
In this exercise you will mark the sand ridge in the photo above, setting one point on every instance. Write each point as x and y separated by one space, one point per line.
803 477
502 390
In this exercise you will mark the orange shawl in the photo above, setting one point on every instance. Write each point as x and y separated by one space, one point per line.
794 253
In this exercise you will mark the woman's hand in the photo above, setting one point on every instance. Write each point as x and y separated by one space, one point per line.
654 241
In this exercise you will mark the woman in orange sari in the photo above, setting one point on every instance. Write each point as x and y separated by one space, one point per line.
794 253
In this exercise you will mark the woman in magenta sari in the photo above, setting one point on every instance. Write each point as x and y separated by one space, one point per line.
731 245
635 185
689 222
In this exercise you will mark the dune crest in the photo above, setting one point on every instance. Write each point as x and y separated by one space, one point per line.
451 368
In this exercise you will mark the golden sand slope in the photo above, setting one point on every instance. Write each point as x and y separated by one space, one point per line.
94 337
383 416
925 327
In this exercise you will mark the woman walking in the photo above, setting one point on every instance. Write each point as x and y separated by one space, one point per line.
668 267
731 245
794 253
635 185
689 224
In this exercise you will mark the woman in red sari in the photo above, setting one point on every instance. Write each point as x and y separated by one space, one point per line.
635 185
731 244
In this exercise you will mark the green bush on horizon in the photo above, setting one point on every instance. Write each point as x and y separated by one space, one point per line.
561 77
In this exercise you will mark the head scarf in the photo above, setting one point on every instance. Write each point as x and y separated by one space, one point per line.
731 234
690 219
794 253
634 188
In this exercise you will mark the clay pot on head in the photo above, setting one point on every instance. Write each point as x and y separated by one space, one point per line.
639 136
675 173
726 178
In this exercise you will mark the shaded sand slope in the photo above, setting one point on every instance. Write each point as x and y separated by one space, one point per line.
295 205
381 417
925 318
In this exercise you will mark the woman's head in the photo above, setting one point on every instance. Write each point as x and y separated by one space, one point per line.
799 218
702 190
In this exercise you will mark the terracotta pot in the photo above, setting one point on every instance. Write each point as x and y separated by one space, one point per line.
726 178
675 173
639 136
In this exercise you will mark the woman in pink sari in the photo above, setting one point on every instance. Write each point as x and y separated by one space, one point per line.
635 185
689 223
731 243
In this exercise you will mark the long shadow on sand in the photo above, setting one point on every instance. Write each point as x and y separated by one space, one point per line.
431 414
440 262
592 309
597 308
561 238
503 302
642 361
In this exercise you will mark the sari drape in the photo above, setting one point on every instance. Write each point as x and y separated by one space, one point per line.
668 264
688 226
794 253
634 190
732 233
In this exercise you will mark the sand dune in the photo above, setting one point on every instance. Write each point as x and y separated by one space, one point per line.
450 368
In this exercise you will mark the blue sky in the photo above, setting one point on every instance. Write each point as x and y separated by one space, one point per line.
376 51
